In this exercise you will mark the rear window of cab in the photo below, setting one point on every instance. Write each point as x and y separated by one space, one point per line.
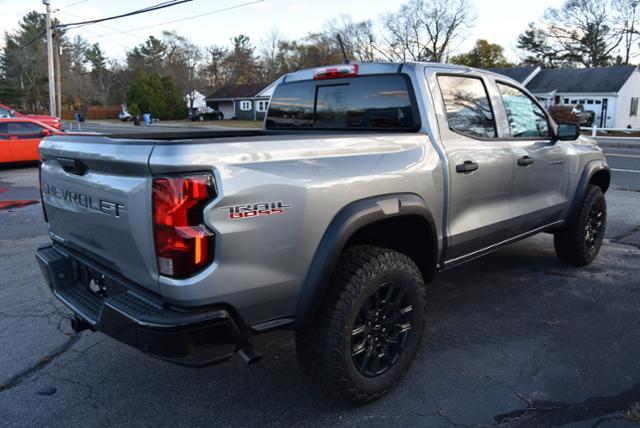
377 102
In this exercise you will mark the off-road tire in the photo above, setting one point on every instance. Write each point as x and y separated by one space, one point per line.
572 242
325 349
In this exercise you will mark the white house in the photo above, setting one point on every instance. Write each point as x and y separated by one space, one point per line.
611 92
198 100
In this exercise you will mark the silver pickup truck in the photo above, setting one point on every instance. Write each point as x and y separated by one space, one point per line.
366 180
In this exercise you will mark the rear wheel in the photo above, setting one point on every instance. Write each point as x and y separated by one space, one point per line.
579 242
370 326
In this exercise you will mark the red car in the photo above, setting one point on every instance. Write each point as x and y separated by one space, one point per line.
54 122
20 137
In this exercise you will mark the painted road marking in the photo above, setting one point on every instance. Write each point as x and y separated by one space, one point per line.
622 156
625 170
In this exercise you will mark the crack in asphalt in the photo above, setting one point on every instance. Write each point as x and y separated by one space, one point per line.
553 413
40 365
616 239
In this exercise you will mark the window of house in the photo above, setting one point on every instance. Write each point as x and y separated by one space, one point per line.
245 105
467 105
526 118
566 100
589 101
574 101
261 106
598 102
633 111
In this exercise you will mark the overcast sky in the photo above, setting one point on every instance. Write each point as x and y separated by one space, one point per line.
499 21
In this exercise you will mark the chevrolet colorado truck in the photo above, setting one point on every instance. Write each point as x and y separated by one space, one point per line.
366 180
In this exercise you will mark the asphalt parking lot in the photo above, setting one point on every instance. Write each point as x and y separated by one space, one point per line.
513 339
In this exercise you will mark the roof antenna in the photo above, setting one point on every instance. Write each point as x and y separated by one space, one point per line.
344 51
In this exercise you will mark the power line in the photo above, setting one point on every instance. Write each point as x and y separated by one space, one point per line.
187 18
96 34
73 4
124 15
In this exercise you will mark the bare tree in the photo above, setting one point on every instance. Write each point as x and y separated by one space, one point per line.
182 62
269 53
627 15
214 69
584 30
425 30
358 37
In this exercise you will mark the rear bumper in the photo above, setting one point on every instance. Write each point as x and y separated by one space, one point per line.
108 303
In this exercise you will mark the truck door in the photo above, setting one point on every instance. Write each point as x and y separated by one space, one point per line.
539 193
5 154
481 166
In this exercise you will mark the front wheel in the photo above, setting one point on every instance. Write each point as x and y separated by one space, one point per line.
367 333
578 243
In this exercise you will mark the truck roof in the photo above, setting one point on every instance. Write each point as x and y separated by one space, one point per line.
365 68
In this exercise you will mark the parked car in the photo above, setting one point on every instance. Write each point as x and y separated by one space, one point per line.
124 115
19 139
586 117
367 180
53 122
196 114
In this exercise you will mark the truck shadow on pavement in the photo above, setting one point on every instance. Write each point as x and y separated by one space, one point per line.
514 330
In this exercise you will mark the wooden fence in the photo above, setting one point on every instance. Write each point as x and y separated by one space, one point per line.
95 112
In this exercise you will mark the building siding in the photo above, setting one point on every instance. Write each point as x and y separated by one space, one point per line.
631 89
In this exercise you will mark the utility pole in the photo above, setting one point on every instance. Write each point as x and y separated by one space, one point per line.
56 61
50 67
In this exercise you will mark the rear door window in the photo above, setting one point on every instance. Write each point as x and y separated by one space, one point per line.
365 102
467 105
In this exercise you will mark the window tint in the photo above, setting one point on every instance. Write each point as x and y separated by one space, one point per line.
21 128
365 102
526 118
467 105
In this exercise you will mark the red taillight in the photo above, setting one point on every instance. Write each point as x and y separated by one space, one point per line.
336 72
183 242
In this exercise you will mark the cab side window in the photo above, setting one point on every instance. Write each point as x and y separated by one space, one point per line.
23 128
468 107
526 118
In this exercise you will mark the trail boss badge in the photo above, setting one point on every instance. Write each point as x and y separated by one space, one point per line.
237 212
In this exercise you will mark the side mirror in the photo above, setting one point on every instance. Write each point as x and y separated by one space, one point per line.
45 132
12 113
568 132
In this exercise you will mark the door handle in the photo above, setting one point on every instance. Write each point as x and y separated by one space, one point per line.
525 161
467 167
72 166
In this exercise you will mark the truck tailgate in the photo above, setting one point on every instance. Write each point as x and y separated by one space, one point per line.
97 196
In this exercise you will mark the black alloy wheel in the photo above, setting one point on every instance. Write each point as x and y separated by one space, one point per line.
381 330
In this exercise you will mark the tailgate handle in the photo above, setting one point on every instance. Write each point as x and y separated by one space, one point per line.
72 166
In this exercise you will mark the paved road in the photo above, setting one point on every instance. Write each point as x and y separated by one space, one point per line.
514 339
129 127
626 167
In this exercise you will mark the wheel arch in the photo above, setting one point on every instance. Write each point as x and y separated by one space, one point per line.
361 222
594 172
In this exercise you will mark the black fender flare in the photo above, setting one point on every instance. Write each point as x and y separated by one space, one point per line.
346 222
589 170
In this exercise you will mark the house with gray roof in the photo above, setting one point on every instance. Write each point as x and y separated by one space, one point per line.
243 102
610 92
